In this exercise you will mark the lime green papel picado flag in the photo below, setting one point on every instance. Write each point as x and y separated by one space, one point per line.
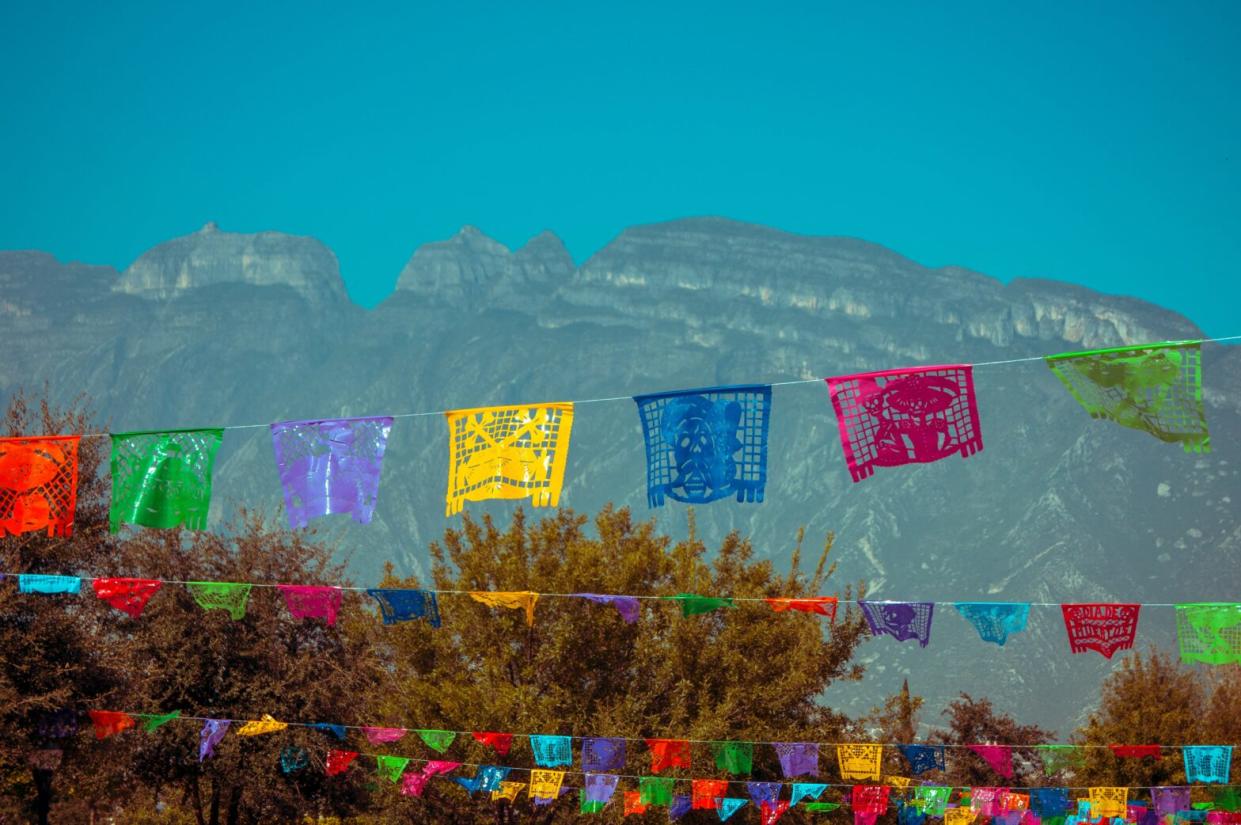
1156 388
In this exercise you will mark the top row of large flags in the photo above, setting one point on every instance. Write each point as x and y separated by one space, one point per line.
702 445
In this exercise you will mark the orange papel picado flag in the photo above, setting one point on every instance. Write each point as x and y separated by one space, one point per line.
508 452
38 484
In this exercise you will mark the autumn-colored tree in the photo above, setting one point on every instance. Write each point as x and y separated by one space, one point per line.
740 673
55 661
976 722
897 720
206 664
1221 722
1154 699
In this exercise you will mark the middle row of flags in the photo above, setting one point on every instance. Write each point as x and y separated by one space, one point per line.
1207 632
702 445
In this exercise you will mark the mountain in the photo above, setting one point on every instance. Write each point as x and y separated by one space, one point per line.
220 327
470 267
210 256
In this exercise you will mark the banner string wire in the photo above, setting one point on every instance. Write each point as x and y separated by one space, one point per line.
670 598
791 383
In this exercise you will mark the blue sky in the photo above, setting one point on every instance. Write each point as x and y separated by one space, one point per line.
1090 142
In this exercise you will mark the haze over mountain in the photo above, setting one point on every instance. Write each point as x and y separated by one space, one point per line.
223 328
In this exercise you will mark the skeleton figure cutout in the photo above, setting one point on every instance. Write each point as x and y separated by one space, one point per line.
705 445
703 437
908 427
910 416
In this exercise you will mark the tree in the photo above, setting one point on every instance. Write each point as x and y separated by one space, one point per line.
740 673
206 664
55 664
1221 722
897 720
975 722
1154 699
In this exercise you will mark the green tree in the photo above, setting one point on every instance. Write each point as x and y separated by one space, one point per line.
742 673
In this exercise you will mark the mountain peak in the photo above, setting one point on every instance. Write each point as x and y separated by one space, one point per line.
211 256
470 266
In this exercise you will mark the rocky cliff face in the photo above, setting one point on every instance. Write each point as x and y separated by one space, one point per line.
210 256
1056 508
471 269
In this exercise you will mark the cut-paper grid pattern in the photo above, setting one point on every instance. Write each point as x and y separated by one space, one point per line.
900 620
995 621
706 444
552 751
1209 632
1108 802
1156 388
508 453
38 484
798 758
1208 763
603 754
905 416
860 761
1102 627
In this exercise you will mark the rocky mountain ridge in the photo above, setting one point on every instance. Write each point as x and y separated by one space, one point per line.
218 328
210 257
471 267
